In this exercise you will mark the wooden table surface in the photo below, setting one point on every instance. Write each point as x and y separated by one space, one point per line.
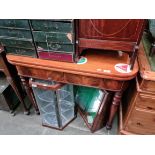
98 65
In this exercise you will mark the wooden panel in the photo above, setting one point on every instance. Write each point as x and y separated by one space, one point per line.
50 25
93 82
72 78
121 125
147 85
40 74
145 101
64 38
112 84
82 80
104 44
111 29
141 122
145 69
14 23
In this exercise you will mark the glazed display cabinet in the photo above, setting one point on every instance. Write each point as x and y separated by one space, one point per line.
55 102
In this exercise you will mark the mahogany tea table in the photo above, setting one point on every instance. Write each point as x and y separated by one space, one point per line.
103 70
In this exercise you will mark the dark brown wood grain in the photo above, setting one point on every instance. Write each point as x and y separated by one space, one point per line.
111 29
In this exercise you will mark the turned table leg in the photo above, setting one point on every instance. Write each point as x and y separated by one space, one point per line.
114 107
29 92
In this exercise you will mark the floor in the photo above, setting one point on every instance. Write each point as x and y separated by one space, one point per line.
21 124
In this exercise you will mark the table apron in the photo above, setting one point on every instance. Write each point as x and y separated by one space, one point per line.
70 78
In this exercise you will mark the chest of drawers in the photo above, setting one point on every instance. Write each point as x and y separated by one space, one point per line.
16 37
138 115
54 39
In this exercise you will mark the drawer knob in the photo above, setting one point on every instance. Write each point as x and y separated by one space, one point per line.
150 108
139 124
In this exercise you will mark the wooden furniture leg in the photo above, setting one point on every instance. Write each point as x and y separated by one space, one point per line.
114 107
18 92
133 57
29 92
152 50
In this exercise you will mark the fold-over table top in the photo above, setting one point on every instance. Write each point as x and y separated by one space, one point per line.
99 64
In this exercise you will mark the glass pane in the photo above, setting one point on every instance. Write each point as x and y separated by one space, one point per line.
89 100
66 103
46 101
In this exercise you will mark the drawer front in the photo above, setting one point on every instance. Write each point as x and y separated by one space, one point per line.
148 85
145 101
141 122
21 51
89 81
49 46
112 84
14 23
17 43
54 26
40 73
58 56
82 80
64 38
15 33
